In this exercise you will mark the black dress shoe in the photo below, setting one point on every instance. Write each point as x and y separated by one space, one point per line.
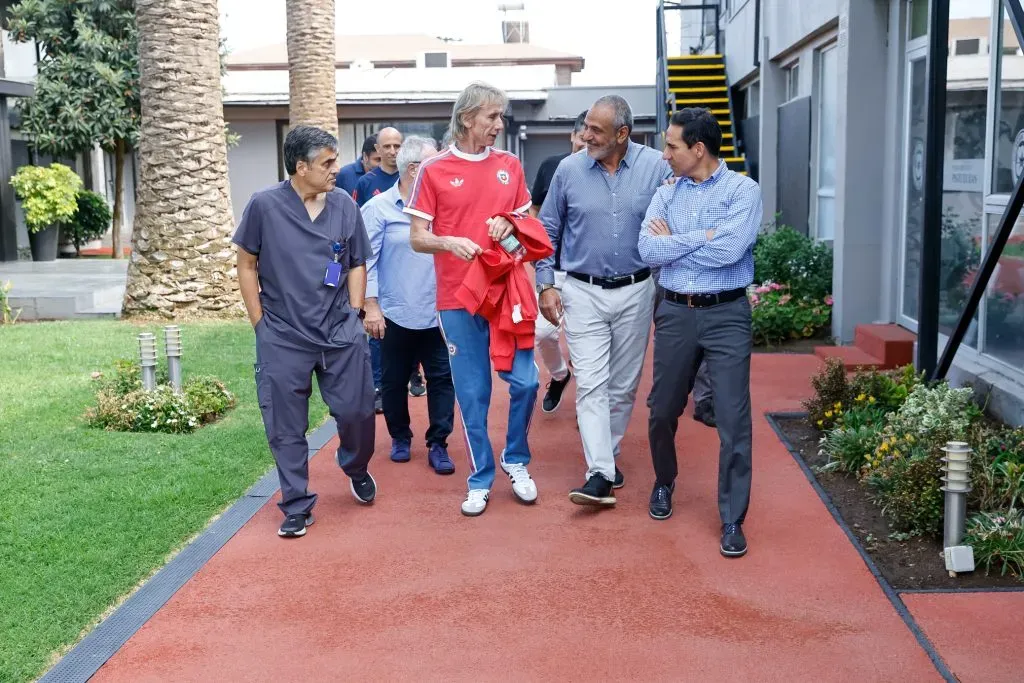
661 501
620 480
378 402
553 396
733 542
704 412
597 491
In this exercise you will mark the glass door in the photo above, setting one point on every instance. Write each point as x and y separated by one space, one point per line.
913 185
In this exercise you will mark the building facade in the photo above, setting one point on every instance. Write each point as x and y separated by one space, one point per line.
833 102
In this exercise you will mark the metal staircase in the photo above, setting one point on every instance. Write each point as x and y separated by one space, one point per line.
697 80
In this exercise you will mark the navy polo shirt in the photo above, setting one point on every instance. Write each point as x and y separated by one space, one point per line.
372 184
293 252
349 175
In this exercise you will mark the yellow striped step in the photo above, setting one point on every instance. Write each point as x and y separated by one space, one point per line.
698 78
713 88
707 100
687 67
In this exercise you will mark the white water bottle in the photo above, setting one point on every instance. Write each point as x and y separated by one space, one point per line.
513 247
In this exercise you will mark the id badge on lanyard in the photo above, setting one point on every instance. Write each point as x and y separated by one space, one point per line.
332 275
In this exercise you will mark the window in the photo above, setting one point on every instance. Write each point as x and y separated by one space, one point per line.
435 60
967 46
753 100
827 109
792 81
918 19
1008 152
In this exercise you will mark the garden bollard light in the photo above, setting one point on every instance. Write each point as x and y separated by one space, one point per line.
147 360
172 347
957 478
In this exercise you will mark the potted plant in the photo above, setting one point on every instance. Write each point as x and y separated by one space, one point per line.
91 220
49 198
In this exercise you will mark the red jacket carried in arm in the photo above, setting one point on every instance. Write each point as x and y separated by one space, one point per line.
499 288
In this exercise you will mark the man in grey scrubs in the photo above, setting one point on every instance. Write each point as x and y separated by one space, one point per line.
302 250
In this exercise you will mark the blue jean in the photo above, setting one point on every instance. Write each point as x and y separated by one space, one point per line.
378 374
468 339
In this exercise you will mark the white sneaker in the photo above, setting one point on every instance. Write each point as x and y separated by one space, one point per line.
475 503
522 483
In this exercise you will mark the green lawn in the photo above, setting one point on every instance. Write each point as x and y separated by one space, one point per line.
85 515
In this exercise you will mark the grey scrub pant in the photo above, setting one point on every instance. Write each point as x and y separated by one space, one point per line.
720 336
283 386
701 384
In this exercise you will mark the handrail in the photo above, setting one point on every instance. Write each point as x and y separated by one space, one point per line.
662 75
995 251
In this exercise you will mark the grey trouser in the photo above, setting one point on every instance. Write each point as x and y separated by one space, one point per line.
283 386
701 385
720 336
607 331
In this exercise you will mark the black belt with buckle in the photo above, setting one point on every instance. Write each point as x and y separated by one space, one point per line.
705 300
613 282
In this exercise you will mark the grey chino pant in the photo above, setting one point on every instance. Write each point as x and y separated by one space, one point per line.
284 383
720 336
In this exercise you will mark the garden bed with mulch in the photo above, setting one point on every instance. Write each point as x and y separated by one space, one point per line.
912 564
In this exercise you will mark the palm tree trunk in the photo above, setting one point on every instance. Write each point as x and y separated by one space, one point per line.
313 97
182 258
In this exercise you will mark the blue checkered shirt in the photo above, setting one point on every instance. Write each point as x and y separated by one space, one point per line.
595 217
729 204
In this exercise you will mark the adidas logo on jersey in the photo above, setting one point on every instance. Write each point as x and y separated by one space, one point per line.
457 182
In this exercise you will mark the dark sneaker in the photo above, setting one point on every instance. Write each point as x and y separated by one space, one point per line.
620 480
553 396
439 460
416 387
295 525
365 489
733 542
378 403
661 501
400 450
597 491
704 412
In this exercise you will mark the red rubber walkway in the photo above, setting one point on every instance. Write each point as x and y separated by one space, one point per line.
410 590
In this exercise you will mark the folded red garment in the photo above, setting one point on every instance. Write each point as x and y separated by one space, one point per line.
498 287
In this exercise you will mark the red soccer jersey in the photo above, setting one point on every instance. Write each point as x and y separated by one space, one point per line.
458 192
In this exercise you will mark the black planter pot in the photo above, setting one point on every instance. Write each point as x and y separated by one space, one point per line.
44 244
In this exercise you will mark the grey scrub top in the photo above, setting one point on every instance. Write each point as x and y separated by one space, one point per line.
293 252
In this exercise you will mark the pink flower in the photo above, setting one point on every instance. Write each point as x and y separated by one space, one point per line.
776 286
763 289
828 299
784 299
755 299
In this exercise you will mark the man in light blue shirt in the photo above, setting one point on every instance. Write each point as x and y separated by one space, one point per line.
701 233
401 311
592 213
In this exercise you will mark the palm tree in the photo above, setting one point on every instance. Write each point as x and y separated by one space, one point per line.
311 57
182 257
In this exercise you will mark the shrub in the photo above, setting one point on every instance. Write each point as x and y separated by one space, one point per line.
48 195
936 414
831 393
91 220
907 487
784 255
850 447
997 468
887 389
122 405
777 316
997 538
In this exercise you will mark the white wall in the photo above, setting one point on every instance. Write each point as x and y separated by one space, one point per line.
252 164
739 40
19 59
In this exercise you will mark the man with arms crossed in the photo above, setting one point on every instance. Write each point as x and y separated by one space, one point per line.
701 232
456 195
301 254
401 312
593 213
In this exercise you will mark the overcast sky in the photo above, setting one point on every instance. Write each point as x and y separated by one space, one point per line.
618 46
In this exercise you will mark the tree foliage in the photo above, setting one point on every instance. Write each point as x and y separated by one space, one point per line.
87 90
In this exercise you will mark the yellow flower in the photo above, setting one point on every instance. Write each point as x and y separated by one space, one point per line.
839 404
821 423
871 399
883 447
828 413
910 438
892 440
861 397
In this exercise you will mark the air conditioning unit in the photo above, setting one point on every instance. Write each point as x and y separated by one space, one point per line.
361 64
434 60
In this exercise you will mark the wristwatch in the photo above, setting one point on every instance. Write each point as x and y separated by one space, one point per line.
542 287
362 313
